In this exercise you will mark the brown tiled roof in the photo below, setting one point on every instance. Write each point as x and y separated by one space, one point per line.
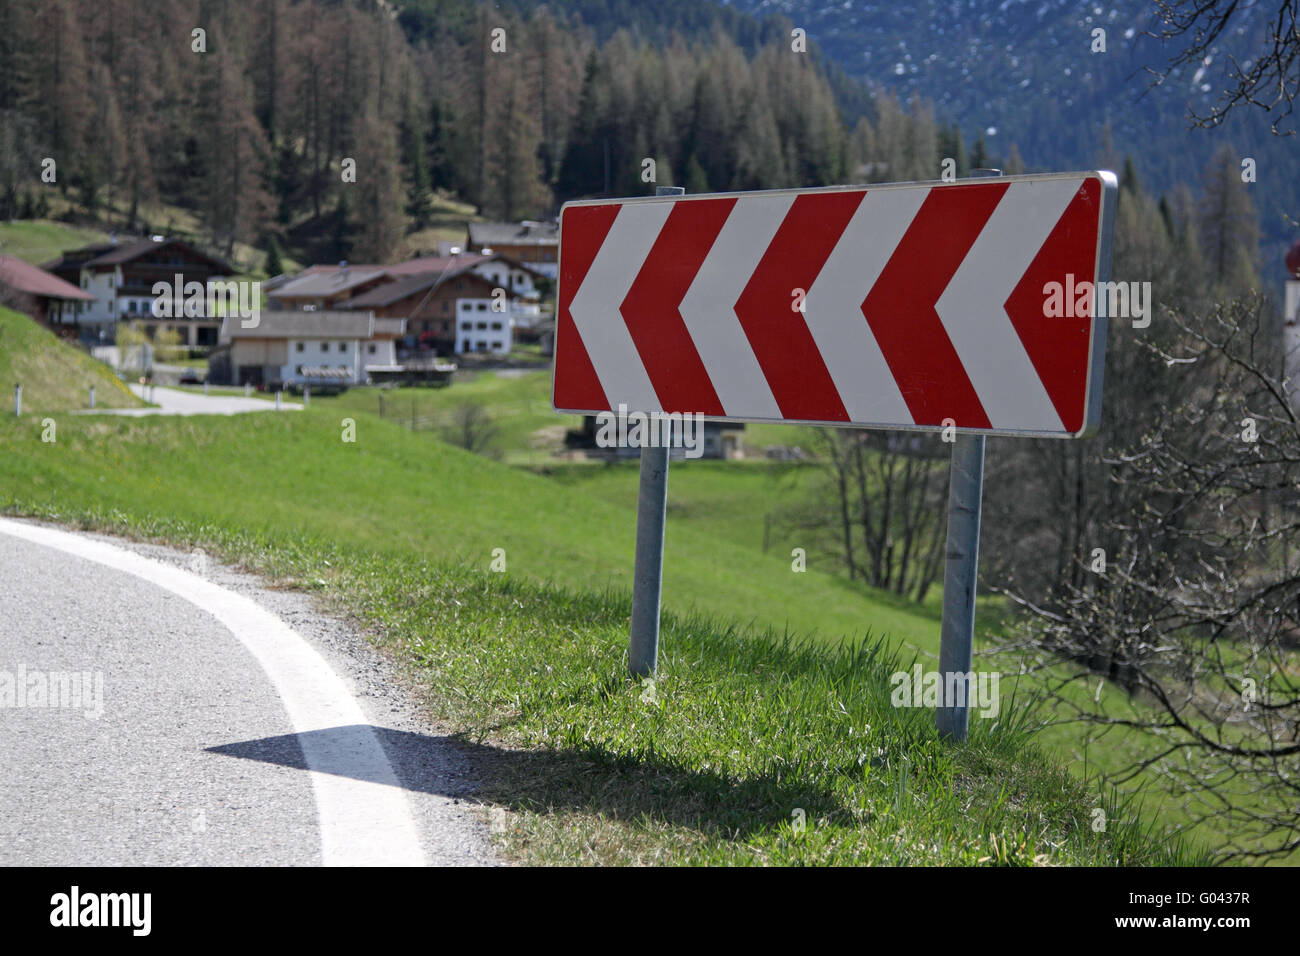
391 292
111 254
36 281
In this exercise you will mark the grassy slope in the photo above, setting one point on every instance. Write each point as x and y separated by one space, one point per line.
42 240
710 766
397 492
55 376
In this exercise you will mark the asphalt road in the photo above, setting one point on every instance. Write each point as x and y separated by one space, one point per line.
174 401
156 708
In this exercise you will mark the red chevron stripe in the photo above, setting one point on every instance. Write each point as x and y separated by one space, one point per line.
1059 347
650 309
576 385
785 349
900 306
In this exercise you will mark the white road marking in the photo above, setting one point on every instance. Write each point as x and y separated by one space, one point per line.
365 819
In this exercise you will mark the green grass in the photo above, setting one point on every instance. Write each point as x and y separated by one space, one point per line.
55 376
395 491
738 739
39 241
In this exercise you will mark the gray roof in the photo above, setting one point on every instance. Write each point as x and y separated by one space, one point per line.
293 324
322 283
513 234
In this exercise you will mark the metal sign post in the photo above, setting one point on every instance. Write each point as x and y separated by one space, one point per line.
647 578
960 575
961 569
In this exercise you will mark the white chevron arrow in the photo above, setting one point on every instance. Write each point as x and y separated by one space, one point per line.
595 306
973 306
833 307
709 306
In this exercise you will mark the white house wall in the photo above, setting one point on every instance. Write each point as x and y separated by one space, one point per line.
476 312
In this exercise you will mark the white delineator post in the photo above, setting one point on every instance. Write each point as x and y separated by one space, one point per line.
18 399
647 578
1291 336
92 396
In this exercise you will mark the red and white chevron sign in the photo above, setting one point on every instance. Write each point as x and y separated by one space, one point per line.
900 306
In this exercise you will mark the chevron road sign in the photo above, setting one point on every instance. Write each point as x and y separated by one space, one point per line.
916 305
973 307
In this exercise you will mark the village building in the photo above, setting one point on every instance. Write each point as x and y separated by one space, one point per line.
454 311
535 244
51 301
297 348
121 276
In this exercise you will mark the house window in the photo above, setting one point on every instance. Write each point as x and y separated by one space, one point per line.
481 326
446 307
496 326
301 347
482 306
466 306
324 346
371 348
343 346
466 326
482 346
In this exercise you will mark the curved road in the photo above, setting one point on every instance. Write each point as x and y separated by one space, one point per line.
154 711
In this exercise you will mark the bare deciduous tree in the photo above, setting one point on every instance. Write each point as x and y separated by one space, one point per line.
1268 80
1196 610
